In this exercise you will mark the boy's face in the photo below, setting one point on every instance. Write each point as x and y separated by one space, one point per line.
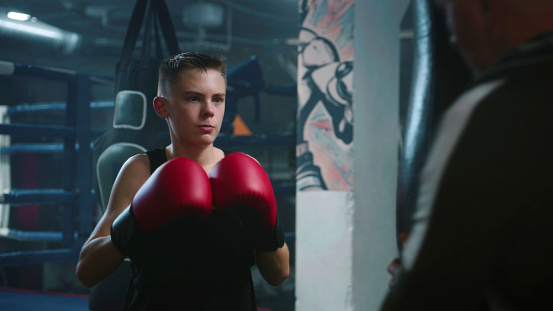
197 105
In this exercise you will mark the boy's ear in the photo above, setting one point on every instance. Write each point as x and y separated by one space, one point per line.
160 104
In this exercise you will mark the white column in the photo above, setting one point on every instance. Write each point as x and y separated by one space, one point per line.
376 110
345 239
323 250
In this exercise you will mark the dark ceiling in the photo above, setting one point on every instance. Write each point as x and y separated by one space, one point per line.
267 27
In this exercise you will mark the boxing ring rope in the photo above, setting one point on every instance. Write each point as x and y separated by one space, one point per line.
54 106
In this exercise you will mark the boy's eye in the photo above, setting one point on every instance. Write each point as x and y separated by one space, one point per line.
219 100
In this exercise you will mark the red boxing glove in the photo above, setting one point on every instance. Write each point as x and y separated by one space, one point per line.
239 182
177 188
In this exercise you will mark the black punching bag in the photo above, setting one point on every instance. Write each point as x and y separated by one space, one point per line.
439 76
152 17
135 121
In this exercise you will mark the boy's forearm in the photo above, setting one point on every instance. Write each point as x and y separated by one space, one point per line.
274 266
98 259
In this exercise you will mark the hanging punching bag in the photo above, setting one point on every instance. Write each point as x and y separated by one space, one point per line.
152 17
439 76
136 125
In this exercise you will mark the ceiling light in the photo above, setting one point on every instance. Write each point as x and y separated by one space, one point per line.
204 14
19 16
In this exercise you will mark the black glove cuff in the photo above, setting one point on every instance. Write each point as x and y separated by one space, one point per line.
271 241
125 232
279 233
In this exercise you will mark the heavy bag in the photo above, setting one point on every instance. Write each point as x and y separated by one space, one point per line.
135 121
439 76
150 16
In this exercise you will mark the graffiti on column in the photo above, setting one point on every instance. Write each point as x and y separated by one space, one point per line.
324 146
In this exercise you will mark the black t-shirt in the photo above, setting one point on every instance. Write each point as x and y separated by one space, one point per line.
193 264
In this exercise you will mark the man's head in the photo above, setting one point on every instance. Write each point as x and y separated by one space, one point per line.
170 69
484 30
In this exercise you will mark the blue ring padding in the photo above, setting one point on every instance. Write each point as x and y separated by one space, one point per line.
53 107
54 74
44 236
21 196
254 140
39 257
33 148
36 148
34 236
33 131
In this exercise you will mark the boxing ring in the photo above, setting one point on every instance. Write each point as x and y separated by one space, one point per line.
75 196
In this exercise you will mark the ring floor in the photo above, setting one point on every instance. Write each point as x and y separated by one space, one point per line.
26 300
